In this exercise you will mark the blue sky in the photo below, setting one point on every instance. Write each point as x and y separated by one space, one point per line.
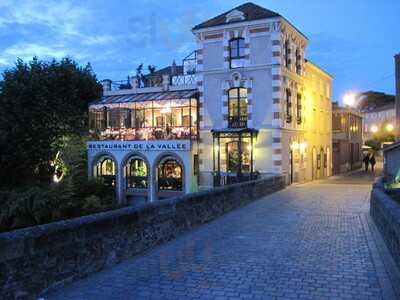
355 41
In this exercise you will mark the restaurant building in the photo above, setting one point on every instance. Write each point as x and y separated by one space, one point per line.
245 104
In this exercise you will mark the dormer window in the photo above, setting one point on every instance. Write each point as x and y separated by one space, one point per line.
236 53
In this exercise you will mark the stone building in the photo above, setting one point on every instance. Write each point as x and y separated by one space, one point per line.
347 139
244 105
379 114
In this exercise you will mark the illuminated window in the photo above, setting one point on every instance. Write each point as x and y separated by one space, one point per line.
236 53
104 170
136 174
232 154
237 108
170 175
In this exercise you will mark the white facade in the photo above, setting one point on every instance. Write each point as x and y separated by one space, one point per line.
261 109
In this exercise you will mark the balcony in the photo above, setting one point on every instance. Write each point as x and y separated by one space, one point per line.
237 122
174 75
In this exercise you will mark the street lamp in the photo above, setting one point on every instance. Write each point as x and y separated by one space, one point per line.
389 127
374 129
349 99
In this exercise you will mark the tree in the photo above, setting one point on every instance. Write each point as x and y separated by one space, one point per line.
41 103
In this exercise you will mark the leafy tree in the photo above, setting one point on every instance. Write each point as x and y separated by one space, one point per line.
41 103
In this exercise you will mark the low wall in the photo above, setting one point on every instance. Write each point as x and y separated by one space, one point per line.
36 259
386 215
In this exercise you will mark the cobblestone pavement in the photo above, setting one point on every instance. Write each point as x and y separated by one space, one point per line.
310 241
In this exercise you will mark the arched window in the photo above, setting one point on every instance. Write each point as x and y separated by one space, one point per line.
136 174
105 170
170 175
237 108
236 53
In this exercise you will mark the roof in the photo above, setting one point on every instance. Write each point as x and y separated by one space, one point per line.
391 146
169 95
318 68
250 10
372 101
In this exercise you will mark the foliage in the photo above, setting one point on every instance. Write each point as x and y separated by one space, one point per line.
375 144
74 196
40 205
41 103
378 140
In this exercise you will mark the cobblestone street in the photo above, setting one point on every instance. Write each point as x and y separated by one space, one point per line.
310 241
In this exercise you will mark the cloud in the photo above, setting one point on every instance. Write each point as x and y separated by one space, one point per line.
58 15
26 51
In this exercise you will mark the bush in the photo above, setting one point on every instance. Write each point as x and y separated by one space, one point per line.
40 205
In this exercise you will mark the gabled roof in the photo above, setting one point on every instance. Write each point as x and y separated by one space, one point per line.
251 12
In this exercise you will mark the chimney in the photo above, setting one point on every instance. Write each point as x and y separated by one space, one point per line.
397 79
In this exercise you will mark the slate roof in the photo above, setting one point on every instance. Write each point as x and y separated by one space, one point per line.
372 101
169 95
250 10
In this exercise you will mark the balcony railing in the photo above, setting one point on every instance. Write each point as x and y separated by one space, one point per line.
237 122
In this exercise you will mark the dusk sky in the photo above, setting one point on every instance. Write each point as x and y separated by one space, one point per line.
355 41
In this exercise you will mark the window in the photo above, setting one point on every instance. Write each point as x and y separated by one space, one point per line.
136 174
237 108
298 61
288 61
236 53
233 158
298 110
288 106
105 171
170 177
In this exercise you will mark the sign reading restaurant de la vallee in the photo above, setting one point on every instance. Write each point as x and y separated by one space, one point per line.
139 145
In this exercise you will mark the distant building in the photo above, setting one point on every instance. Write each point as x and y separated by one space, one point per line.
379 113
346 139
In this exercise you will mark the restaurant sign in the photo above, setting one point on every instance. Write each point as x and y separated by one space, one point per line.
162 145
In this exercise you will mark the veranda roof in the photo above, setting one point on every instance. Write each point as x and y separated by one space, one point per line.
168 95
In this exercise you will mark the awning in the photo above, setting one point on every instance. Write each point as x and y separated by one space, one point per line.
168 95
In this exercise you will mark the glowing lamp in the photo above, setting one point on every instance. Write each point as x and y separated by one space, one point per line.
374 129
389 127
349 99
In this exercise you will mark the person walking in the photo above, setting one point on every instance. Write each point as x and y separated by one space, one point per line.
372 161
366 162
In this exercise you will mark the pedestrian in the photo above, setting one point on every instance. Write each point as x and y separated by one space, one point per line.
372 161
366 162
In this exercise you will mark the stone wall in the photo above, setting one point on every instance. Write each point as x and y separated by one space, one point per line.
386 215
36 259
